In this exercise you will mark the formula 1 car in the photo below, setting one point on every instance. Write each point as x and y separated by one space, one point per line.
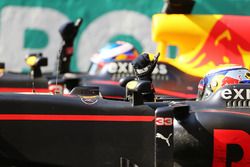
84 129
168 80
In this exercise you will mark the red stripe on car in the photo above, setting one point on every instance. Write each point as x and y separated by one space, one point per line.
8 89
50 117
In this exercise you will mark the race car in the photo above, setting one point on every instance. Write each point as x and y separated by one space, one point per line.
113 62
84 129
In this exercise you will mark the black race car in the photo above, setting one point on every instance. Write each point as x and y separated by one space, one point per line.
84 129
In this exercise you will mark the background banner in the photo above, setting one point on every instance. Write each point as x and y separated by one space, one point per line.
32 26
28 26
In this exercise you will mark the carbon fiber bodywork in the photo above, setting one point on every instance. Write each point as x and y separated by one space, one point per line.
45 130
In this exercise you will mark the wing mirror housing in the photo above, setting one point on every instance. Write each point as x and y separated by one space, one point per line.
35 61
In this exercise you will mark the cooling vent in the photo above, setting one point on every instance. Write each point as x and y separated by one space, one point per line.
238 104
124 162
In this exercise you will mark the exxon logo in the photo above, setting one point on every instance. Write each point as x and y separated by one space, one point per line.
127 68
235 94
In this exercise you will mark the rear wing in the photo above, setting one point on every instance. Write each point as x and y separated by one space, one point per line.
199 41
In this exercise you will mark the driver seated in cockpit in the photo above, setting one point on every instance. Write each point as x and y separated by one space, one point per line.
223 75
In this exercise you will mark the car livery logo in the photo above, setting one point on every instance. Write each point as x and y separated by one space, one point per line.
121 69
225 137
166 139
236 98
56 89
229 31
161 121
89 99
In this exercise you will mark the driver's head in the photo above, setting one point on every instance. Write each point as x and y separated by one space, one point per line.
111 52
221 76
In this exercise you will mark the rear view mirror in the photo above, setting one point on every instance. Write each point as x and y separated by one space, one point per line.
35 60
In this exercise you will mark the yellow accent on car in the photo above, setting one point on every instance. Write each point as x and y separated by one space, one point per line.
132 85
31 60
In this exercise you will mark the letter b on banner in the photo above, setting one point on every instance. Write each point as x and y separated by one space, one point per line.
15 21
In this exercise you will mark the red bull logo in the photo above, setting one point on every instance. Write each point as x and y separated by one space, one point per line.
229 80
228 42
205 41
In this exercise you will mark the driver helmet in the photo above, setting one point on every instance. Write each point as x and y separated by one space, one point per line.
221 76
111 52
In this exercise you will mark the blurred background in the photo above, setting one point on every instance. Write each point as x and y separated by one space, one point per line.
28 26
